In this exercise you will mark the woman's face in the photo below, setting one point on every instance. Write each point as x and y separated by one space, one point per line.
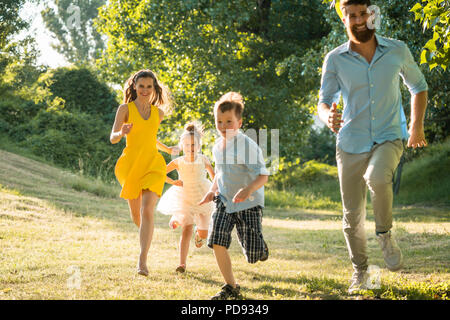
190 145
145 88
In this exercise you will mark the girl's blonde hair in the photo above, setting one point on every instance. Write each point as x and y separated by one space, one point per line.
230 101
192 129
162 98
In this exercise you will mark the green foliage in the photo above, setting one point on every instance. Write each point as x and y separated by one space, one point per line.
435 15
72 24
10 22
202 49
79 90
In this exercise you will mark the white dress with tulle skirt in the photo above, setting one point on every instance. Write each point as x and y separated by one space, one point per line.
181 202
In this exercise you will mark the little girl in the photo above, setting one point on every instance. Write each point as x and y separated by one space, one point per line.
181 199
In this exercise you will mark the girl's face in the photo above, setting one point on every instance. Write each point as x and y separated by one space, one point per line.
145 88
190 146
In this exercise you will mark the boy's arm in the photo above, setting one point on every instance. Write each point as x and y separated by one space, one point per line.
244 193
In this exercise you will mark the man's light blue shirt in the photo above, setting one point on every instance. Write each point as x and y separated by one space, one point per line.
373 111
236 166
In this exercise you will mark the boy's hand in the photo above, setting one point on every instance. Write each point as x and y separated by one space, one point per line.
242 195
178 183
207 198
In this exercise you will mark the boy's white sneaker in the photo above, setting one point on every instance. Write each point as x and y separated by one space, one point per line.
359 281
391 252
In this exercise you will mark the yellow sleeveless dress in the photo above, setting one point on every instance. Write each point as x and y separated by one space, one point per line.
141 166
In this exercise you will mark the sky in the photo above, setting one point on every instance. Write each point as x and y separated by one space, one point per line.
31 12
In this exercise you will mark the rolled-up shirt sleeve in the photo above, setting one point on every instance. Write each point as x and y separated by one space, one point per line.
411 74
329 86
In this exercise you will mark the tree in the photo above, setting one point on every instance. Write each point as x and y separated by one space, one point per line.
203 48
72 24
435 15
10 22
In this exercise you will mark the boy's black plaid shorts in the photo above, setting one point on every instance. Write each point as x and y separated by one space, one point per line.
248 226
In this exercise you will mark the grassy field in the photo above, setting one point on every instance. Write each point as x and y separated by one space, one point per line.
63 236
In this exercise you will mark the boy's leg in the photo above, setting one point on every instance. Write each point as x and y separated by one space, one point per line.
219 239
383 162
351 168
249 230
224 262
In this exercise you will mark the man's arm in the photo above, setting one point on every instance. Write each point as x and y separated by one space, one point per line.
416 127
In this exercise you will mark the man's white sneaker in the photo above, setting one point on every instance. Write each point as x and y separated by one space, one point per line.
391 252
359 281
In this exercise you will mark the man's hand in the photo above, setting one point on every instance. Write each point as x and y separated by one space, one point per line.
416 137
334 121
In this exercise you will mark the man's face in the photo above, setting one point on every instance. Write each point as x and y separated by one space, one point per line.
355 18
227 124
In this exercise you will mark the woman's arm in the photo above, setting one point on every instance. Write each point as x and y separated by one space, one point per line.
120 128
173 165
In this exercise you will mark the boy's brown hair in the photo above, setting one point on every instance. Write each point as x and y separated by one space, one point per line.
230 101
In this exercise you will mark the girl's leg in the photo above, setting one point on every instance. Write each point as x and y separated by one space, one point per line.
202 233
135 210
149 200
185 240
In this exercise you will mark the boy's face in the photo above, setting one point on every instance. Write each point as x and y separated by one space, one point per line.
227 123
355 18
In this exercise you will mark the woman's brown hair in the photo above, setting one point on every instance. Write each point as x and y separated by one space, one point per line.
162 98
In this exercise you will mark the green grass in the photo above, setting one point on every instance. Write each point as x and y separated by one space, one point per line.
56 227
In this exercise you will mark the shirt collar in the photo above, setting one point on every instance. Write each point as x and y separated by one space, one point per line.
382 43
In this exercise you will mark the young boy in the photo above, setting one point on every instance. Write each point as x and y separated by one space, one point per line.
238 191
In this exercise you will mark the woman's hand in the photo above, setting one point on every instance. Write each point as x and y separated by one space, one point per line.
126 128
175 150
178 183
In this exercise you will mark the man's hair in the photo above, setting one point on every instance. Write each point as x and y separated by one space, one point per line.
350 2
230 101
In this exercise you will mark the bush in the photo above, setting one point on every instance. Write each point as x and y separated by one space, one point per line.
73 140
80 91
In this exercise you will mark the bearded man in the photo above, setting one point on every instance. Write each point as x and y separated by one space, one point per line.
370 129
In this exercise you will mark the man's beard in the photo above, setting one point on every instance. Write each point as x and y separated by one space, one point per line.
361 36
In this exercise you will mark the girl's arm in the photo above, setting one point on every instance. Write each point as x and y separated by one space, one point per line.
209 196
209 168
120 128
173 165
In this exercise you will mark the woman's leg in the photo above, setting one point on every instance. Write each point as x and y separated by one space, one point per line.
135 210
185 240
149 200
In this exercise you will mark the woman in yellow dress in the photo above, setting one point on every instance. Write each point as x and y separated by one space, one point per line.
141 169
